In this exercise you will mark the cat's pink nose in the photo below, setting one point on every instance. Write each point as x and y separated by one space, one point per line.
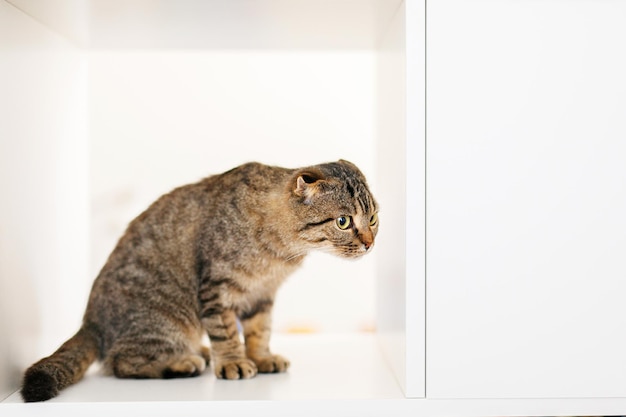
367 239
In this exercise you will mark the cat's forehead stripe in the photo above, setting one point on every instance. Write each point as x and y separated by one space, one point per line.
355 190
350 189
363 197
363 205
370 203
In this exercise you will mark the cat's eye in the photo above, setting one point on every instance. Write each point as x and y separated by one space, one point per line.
374 219
344 222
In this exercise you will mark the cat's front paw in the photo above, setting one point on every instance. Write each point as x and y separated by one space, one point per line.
235 369
271 364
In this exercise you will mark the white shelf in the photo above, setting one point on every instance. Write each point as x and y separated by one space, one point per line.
330 375
323 367
57 48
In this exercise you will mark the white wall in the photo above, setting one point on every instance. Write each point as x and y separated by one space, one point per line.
391 281
163 118
526 199
43 186
401 168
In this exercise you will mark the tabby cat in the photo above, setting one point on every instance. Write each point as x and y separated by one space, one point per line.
202 258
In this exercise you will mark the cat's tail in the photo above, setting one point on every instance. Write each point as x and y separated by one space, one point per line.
64 367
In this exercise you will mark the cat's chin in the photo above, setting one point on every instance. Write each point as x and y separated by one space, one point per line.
356 254
353 256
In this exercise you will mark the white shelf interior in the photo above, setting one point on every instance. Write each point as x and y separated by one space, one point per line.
84 73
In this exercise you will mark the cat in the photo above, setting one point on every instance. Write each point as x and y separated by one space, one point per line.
202 258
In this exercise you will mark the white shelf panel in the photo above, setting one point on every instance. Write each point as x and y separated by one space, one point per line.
331 375
222 24
323 367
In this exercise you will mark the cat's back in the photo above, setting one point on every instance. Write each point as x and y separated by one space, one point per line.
246 178
177 215
220 209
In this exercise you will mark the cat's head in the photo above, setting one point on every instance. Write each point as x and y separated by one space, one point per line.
335 209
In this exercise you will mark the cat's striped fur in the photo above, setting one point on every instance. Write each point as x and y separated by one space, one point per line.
201 258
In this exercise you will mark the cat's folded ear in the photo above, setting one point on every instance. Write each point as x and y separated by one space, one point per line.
309 184
352 167
348 163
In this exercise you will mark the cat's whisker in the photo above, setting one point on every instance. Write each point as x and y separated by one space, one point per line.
297 255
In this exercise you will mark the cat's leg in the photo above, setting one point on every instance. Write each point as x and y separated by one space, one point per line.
257 327
185 366
153 357
229 358
205 352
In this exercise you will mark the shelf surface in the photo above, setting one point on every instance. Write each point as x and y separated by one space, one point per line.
323 367
331 375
